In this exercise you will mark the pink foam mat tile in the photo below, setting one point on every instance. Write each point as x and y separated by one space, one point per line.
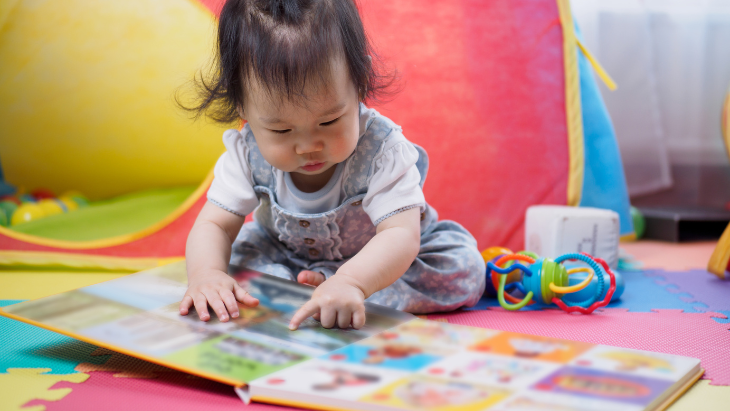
169 391
669 331
670 256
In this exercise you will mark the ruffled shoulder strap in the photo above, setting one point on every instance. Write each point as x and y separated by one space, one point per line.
261 171
360 167
422 163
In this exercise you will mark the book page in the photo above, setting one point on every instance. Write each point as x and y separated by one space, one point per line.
429 365
138 315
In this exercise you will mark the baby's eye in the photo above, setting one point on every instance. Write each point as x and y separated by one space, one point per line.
329 122
281 131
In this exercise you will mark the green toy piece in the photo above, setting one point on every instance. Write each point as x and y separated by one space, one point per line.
639 222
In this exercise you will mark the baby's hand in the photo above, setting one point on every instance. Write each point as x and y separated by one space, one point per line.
220 291
339 300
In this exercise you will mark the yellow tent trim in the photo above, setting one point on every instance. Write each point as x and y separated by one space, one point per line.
119 240
607 80
81 261
573 110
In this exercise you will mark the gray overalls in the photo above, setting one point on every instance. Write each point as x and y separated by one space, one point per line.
448 273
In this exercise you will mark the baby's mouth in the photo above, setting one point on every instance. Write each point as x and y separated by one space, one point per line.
313 166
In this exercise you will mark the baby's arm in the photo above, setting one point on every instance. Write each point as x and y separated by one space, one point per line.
207 254
341 299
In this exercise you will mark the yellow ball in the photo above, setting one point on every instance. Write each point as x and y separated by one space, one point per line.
26 213
71 205
490 253
79 199
50 207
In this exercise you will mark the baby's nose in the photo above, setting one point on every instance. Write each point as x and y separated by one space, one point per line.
309 146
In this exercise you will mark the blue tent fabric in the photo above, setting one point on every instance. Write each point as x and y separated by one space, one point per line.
604 182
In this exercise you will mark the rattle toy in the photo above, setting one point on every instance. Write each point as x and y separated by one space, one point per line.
543 280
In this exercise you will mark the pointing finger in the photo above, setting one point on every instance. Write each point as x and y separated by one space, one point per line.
305 312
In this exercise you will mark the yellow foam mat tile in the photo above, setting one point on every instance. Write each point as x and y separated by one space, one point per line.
703 396
16 284
20 385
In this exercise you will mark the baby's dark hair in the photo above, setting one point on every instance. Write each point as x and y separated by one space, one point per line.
285 45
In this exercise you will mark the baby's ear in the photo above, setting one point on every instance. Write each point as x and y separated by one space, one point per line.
239 109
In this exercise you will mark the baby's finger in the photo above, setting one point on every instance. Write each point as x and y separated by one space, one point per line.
328 316
306 311
215 302
185 305
244 297
201 306
358 318
344 318
316 316
230 302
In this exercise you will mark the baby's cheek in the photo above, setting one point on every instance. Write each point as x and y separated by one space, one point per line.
281 158
344 146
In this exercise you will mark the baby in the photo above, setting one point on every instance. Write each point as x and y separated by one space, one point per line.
334 186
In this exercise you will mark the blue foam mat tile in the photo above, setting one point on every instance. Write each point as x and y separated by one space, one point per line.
697 286
5 303
26 346
643 294
723 320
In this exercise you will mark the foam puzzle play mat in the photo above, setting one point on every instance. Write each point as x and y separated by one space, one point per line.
107 181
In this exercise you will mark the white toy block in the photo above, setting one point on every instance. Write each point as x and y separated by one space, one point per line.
551 231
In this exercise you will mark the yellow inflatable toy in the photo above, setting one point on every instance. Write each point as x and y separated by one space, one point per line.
87 103
720 261
80 112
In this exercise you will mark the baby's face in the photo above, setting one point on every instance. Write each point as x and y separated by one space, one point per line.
308 136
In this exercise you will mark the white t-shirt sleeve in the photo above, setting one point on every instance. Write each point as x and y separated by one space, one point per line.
394 185
232 186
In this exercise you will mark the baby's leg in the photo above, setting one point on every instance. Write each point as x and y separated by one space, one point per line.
448 273
254 249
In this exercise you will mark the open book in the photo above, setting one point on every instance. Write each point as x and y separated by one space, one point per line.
395 362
